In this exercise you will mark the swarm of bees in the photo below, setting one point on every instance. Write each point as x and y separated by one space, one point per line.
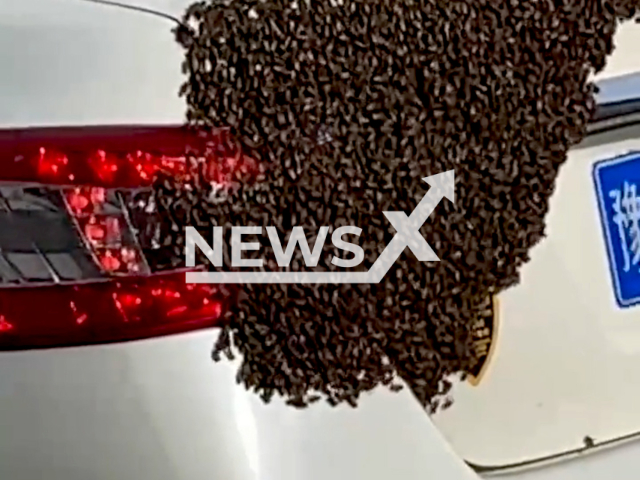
346 105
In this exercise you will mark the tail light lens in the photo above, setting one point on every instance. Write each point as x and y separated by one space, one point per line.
74 264
113 157
101 312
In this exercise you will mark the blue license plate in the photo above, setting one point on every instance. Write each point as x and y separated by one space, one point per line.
617 183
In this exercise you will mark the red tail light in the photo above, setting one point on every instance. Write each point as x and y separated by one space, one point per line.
108 311
73 270
112 157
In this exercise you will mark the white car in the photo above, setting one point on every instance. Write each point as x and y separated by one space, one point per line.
103 379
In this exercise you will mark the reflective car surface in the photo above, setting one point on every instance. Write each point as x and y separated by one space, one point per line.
156 408
87 393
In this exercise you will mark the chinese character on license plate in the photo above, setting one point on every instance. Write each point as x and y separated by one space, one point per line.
617 184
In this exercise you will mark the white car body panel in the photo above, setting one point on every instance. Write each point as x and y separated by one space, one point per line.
161 408
567 357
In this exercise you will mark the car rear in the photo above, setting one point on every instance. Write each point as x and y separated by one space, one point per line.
106 370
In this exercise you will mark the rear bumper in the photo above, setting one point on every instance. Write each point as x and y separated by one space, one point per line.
162 409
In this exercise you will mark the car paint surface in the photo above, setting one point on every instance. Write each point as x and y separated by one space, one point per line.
161 408
562 380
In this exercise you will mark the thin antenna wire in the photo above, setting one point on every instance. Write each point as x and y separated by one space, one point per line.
182 31
137 8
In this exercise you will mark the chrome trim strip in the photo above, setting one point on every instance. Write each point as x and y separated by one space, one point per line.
619 89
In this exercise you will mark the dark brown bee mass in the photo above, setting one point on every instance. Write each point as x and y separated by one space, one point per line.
347 105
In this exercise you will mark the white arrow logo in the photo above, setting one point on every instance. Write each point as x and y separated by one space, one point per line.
408 235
